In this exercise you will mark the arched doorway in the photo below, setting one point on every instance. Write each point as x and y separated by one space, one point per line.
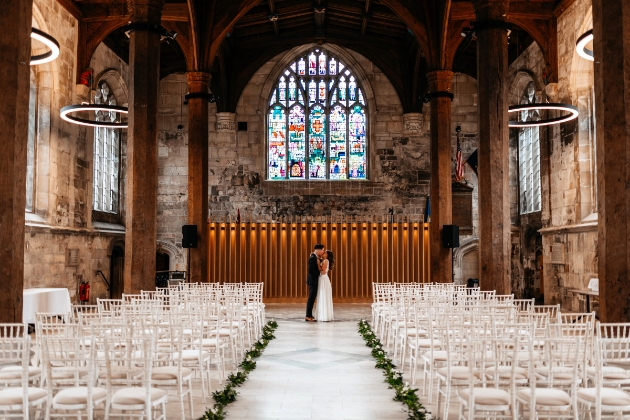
162 261
116 287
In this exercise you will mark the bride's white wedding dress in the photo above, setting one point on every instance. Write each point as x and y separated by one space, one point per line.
324 297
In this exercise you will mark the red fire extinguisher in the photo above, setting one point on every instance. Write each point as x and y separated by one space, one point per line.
84 291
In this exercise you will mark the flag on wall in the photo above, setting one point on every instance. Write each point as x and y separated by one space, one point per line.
459 163
427 211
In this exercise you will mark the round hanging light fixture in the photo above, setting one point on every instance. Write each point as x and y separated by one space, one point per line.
66 110
581 43
50 42
572 114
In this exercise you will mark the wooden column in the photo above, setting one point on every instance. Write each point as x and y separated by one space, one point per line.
198 82
611 30
441 173
494 193
141 200
15 50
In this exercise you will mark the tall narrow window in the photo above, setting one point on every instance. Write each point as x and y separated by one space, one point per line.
106 157
529 156
317 121
529 169
30 144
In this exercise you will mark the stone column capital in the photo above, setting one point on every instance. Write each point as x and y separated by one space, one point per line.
226 122
491 9
149 11
440 80
198 81
412 122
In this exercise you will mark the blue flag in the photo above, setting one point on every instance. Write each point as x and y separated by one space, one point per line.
427 211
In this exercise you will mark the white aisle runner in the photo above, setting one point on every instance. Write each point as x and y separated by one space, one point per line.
316 371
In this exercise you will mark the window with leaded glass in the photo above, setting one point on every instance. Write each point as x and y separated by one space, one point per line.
529 157
30 144
106 157
317 121
529 169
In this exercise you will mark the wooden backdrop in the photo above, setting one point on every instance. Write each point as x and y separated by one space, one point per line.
368 249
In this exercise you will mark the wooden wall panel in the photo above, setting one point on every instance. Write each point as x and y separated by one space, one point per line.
367 249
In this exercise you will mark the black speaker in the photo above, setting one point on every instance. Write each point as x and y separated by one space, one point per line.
190 236
450 236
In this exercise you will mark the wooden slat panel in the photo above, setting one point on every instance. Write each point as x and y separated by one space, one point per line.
366 249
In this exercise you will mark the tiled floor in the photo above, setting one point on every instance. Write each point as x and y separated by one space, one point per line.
311 371
316 371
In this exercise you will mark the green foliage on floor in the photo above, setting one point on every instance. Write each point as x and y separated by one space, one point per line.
404 393
228 394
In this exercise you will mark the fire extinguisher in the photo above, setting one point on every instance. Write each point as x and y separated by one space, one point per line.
84 291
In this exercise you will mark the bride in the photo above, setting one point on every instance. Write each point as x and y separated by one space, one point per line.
324 291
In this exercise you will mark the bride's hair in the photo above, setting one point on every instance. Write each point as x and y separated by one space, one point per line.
331 259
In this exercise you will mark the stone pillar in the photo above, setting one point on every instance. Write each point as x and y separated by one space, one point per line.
441 173
15 50
198 82
141 200
611 30
494 192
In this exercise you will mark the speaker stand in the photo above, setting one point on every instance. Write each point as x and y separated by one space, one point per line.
188 273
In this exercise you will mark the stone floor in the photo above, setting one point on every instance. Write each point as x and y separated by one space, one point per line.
312 371
316 371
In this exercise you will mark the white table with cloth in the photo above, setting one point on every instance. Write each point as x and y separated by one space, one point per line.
51 300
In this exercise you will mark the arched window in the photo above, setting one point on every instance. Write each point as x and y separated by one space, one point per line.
106 156
529 157
317 121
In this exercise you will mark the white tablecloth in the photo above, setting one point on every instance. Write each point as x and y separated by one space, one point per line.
45 300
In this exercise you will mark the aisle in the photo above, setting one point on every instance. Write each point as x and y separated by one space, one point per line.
316 371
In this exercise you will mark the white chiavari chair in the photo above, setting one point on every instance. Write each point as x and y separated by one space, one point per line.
135 356
16 401
70 367
552 385
606 394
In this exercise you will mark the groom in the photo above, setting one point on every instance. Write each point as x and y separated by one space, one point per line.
312 279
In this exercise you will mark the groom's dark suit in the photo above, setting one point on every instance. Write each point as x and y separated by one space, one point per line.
312 279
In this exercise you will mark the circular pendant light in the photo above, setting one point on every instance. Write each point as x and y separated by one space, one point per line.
50 42
572 114
66 110
581 43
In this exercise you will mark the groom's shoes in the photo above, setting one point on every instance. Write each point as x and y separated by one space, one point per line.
309 319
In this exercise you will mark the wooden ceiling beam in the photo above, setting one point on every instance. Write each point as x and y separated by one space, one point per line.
366 16
273 16
562 6
101 12
72 8
304 35
517 10
319 9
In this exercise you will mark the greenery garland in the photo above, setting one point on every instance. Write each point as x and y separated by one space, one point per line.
228 394
404 393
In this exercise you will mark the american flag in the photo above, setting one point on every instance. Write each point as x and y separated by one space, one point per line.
459 163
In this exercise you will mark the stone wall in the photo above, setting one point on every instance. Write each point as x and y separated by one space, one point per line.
464 114
173 168
399 158
398 162
569 215
61 222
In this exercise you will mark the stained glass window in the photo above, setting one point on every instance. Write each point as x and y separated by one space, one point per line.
277 148
317 121
297 143
357 143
